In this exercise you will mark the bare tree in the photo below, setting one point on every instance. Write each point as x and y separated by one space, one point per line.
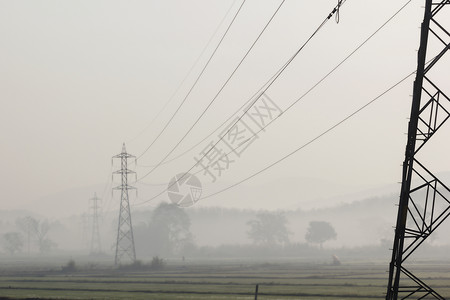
26 225
37 229
41 229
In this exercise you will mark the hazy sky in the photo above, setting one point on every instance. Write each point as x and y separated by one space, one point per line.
78 78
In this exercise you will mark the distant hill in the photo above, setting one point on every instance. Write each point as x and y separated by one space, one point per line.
360 222
289 193
281 194
361 218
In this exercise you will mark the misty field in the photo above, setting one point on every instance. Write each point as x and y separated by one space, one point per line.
214 280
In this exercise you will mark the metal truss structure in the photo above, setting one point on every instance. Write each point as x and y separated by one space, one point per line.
95 238
125 250
424 199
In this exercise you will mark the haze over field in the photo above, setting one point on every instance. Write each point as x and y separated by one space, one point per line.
79 78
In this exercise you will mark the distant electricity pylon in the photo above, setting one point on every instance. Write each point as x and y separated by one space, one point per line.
95 238
84 230
125 250
424 199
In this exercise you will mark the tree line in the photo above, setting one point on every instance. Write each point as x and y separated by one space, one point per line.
166 232
32 233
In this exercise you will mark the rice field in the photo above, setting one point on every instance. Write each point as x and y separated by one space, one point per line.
216 280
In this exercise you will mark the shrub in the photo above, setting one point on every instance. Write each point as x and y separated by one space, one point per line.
70 266
135 266
157 263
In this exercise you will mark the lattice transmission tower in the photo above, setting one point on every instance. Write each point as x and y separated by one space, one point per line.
125 250
424 199
95 236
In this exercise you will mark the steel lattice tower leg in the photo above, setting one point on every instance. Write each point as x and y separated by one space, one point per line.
424 199
95 238
125 250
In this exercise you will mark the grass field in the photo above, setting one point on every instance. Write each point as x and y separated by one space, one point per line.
216 280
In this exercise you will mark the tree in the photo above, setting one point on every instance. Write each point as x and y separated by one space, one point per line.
26 226
167 233
39 230
319 232
13 242
269 229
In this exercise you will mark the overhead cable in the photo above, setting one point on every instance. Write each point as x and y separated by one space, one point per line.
330 128
274 78
297 149
172 97
308 91
267 85
195 82
215 97
310 141
301 97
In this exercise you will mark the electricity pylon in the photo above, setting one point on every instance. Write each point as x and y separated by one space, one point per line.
95 238
125 250
424 199
84 230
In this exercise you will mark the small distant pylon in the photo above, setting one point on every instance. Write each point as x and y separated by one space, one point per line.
95 238
125 250
84 231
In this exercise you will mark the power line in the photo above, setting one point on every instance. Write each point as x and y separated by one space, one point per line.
274 78
195 83
296 150
306 93
267 85
107 187
311 141
184 79
347 57
217 128
215 97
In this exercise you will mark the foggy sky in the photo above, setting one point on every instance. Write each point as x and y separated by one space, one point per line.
79 78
